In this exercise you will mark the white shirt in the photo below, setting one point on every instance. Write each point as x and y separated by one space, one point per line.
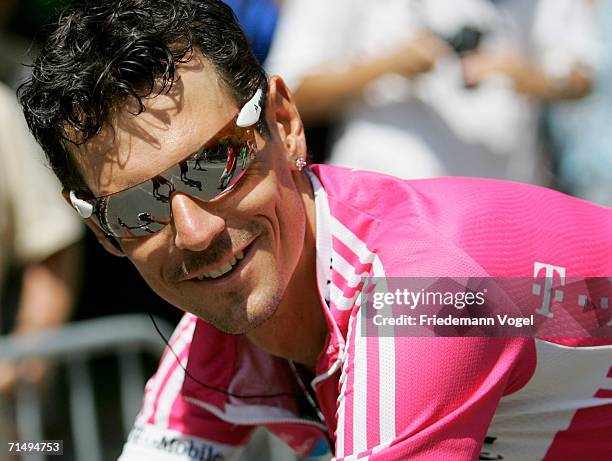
431 125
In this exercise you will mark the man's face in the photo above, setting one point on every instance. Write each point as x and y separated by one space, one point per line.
262 220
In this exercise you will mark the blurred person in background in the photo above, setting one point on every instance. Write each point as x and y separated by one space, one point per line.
580 131
428 88
39 237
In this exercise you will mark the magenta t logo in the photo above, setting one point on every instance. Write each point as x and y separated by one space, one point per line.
549 275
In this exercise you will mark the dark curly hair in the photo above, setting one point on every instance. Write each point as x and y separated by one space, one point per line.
102 52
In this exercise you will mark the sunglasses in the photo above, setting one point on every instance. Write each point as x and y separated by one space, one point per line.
210 172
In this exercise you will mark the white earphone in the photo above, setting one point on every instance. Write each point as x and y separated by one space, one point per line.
83 208
251 111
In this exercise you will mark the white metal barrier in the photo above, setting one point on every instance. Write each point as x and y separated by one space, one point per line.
74 346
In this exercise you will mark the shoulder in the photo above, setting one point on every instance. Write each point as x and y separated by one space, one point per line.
385 196
458 226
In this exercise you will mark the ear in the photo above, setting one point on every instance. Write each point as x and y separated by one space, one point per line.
282 114
109 243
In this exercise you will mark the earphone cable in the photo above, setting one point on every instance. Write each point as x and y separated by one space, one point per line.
213 388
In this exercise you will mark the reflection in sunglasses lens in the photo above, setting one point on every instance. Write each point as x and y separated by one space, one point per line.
145 208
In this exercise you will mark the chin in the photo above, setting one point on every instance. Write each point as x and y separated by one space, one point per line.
242 317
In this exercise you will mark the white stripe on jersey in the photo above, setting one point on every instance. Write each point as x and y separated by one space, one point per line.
347 270
341 412
360 389
169 394
526 421
386 351
346 236
341 302
344 268
386 366
155 383
355 457
386 388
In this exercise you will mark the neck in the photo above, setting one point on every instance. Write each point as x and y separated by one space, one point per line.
299 329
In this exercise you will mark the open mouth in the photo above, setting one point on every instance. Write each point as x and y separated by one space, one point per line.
228 267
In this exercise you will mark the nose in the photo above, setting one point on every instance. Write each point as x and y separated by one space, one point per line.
195 227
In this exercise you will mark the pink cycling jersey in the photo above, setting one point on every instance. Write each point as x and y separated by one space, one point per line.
389 398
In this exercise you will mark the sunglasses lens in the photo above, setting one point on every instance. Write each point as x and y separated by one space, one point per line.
145 209
141 210
211 171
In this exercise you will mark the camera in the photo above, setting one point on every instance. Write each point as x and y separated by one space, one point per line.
466 39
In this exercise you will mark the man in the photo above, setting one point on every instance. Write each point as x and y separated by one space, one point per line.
269 270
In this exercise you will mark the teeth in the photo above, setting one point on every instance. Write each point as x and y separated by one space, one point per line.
223 270
214 274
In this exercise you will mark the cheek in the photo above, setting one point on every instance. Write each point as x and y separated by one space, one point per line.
258 195
274 198
148 255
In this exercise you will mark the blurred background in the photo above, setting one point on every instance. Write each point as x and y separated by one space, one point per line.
509 89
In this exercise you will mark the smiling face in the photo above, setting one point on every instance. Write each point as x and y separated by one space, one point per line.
228 261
